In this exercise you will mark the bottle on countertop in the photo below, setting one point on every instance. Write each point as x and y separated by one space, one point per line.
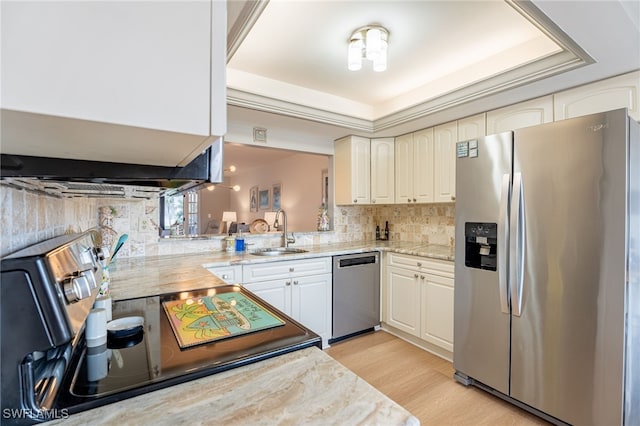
239 241
386 230
230 243
377 232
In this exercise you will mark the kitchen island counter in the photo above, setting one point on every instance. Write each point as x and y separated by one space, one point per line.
303 387
142 276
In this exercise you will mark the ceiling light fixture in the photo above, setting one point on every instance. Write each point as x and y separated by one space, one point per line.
369 42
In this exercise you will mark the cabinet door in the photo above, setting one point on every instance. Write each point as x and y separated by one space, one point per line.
403 304
275 292
423 167
382 171
445 138
437 310
524 114
404 168
352 168
472 127
311 303
109 62
613 93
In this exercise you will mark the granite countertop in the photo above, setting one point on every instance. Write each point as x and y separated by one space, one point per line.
301 387
288 389
142 276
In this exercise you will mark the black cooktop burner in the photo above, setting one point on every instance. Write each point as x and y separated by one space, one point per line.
153 359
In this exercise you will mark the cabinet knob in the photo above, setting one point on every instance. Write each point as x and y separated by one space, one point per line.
287 283
291 269
225 276
422 277
453 198
355 201
415 275
295 283
373 201
414 200
408 200
419 264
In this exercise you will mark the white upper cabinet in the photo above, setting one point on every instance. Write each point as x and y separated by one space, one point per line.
382 171
472 127
404 168
364 170
445 137
135 65
352 170
415 167
618 92
524 114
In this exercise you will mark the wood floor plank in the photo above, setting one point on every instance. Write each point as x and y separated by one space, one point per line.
423 383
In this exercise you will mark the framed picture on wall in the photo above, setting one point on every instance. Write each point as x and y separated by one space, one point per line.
276 194
263 199
253 199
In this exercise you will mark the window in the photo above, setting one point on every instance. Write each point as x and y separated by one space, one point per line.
191 200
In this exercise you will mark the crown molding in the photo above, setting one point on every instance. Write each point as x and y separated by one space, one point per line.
571 56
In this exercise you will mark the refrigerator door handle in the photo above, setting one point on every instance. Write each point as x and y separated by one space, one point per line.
517 245
503 240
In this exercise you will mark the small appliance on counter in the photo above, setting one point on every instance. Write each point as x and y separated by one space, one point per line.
56 360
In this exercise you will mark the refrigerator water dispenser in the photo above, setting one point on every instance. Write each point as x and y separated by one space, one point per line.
481 244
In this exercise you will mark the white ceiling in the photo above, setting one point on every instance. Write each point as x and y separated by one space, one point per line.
447 60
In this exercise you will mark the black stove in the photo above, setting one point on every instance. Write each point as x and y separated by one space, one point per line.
153 359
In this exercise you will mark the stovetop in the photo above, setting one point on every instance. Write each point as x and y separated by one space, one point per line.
153 359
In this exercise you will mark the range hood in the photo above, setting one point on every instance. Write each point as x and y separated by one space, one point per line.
70 177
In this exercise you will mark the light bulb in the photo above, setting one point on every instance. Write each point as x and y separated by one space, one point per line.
373 43
211 187
380 63
355 54
236 188
232 168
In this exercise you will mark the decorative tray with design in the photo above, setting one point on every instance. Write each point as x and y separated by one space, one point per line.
205 319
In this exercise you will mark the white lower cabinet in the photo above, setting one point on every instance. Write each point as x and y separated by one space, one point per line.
436 308
419 299
301 290
403 291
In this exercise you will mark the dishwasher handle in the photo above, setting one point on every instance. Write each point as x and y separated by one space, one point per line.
358 261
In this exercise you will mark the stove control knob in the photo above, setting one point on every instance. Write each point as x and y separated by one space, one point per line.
76 288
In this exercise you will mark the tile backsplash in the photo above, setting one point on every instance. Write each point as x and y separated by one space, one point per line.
27 218
419 223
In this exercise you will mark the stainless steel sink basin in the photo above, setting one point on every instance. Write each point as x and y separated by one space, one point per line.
277 251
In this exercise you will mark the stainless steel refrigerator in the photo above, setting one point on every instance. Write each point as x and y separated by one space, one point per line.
547 268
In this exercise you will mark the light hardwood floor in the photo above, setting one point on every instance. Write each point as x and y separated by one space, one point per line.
423 383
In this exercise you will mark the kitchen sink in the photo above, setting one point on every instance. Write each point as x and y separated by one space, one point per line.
277 251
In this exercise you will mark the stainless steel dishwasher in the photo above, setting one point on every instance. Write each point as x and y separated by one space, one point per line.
356 294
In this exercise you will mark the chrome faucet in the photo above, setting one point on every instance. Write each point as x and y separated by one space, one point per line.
285 240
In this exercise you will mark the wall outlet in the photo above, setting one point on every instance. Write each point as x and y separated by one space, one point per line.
143 224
